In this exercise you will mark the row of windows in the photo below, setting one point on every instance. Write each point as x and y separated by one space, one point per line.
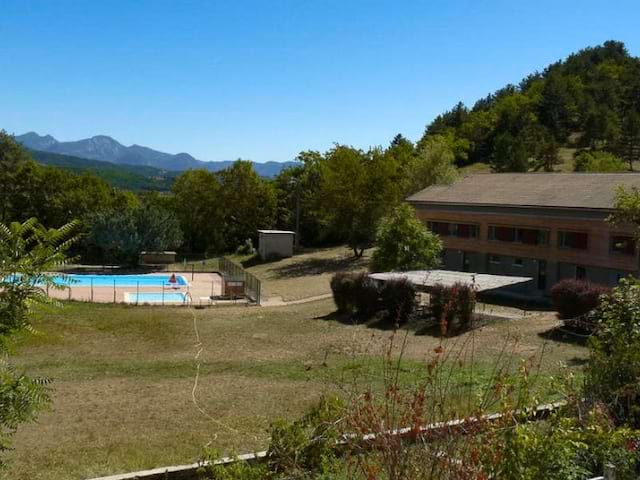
497 259
528 236
461 230
621 244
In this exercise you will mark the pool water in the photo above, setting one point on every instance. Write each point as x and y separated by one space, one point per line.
81 280
154 297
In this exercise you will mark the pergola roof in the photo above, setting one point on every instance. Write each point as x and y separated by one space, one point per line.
424 279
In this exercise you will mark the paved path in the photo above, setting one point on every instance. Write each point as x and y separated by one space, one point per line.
277 301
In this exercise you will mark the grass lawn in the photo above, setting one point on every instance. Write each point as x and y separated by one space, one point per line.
306 274
123 378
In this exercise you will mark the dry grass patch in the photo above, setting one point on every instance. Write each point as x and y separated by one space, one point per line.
306 274
123 378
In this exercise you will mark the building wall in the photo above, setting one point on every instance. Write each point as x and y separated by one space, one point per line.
275 245
475 254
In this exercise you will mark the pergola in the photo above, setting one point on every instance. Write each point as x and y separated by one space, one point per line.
425 279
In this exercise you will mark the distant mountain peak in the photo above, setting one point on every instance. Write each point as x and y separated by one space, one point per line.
106 149
39 142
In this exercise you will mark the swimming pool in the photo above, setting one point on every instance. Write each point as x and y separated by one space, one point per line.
154 297
81 280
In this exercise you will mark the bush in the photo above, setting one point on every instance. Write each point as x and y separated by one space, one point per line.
453 306
597 161
575 298
614 364
398 299
355 293
246 248
342 289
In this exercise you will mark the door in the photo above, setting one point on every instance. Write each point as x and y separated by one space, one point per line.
542 274
466 263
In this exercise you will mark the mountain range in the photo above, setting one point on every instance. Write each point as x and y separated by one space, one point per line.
105 149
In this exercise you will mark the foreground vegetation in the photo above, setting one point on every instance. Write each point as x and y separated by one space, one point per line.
123 378
595 428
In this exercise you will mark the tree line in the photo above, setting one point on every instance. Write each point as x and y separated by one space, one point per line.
590 101
338 196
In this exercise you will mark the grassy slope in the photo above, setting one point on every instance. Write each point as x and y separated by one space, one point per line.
123 378
306 274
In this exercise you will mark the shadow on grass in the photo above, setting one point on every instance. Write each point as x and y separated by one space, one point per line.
566 334
419 325
317 266
381 321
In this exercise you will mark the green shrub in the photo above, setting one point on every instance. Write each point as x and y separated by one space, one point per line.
238 470
614 364
598 161
565 448
398 298
307 444
246 248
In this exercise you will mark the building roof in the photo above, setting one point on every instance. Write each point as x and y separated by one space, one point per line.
423 279
560 190
277 232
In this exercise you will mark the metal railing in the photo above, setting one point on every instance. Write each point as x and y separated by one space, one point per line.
228 269
232 271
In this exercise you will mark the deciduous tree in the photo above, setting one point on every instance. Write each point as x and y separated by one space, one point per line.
28 253
404 243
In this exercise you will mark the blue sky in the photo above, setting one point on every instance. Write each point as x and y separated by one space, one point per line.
264 80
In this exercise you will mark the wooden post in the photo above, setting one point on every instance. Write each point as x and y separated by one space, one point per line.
137 292
92 290
114 290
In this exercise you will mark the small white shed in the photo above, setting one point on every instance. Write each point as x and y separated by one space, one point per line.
275 243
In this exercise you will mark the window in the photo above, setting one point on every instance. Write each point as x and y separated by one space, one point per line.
527 236
581 273
460 230
439 228
494 258
502 234
623 244
575 240
518 262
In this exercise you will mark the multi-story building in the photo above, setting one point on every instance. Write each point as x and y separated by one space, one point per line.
547 226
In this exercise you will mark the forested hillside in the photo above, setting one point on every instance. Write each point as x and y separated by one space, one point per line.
590 101
128 177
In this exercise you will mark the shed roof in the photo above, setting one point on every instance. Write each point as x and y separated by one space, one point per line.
277 232
559 190
430 278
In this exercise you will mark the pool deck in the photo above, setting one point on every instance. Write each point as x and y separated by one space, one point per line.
200 285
